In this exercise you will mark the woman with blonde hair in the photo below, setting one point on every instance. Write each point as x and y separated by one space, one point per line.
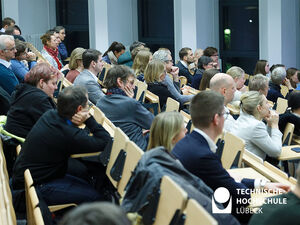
140 62
166 130
75 65
155 73
260 139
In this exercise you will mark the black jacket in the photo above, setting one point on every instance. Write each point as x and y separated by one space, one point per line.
157 163
289 117
4 101
28 104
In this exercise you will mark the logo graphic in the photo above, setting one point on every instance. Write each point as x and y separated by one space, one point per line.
221 195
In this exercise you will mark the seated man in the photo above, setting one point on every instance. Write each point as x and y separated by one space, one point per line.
186 58
93 65
121 108
49 145
196 151
281 214
259 83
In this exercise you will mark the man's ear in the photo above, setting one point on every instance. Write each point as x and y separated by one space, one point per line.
40 84
119 82
216 119
79 108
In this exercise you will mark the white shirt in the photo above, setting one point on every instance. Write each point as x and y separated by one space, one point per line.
229 123
210 142
5 63
184 64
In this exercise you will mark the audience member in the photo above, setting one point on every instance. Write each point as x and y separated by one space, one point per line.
204 63
292 115
274 66
136 50
115 50
212 52
93 65
292 75
207 75
122 109
4 101
186 58
75 64
166 130
49 145
155 73
97 213
50 50
61 47
172 84
140 62
197 54
8 80
278 77
281 214
225 85
238 75
261 67
196 151
17 64
13 30
260 139
32 99
7 22
259 83
126 57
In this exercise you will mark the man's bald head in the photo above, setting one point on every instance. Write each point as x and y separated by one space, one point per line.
224 84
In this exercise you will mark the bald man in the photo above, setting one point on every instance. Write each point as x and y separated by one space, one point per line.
225 85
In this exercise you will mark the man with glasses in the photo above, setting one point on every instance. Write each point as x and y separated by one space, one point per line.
186 58
8 80
225 85
173 86
197 151
122 109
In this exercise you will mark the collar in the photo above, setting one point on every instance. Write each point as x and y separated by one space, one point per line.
5 63
210 142
184 64
93 75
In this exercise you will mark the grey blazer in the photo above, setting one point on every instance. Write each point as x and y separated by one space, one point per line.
85 78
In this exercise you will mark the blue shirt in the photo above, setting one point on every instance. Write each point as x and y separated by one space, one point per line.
19 69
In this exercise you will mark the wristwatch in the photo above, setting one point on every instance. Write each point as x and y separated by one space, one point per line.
262 183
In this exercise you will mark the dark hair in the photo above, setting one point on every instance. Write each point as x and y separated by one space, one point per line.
88 56
7 21
69 99
210 51
206 77
274 66
204 106
18 28
97 213
47 37
136 44
115 47
294 100
10 30
40 71
260 67
204 61
289 73
118 71
58 28
20 47
184 52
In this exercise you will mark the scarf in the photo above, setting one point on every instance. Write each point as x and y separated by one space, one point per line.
113 91
54 54
113 59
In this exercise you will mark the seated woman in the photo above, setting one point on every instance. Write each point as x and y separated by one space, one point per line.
50 50
292 115
238 75
140 62
166 130
115 50
155 73
204 63
262 67
75 65
260 139
207 75
32 99
292 75
17 66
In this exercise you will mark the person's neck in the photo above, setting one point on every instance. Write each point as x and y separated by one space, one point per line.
3 58
94 72
210 133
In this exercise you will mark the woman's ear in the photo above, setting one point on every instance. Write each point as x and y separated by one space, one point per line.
41 83
258 108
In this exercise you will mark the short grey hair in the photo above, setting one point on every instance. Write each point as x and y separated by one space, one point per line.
258 82
204 61
235 72
278 75
161 55
3 40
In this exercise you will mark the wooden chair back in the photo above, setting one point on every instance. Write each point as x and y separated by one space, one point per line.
109 126
172 198
233 151
134 154
98 115
282 105
182 80
141 90
288 134
284 90
154 99
187 121
172 105
196 214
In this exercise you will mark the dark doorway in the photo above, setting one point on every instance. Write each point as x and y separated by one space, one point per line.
156 23
239 34
73 15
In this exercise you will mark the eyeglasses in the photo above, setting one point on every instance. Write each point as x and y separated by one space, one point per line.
10 49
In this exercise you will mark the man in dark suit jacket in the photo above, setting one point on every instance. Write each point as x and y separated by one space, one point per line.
197 151
186 58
